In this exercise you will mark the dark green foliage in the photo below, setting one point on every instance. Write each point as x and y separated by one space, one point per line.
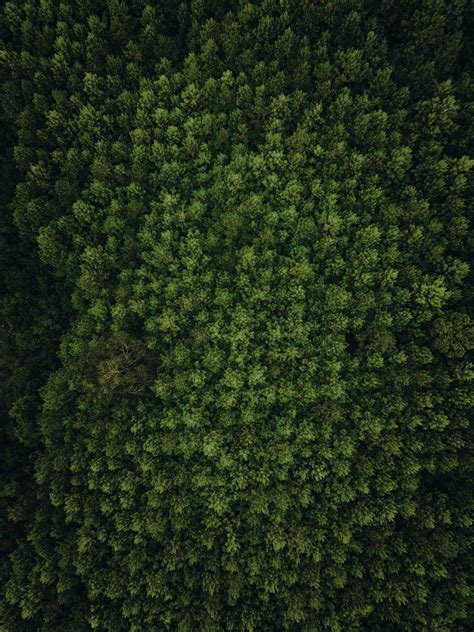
235 316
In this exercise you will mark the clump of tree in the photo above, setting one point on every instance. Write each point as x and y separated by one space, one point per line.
235 315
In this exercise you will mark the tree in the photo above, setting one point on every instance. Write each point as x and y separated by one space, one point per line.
237 320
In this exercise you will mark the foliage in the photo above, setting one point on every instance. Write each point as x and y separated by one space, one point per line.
235 315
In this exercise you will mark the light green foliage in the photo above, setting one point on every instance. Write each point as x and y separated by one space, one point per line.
237 333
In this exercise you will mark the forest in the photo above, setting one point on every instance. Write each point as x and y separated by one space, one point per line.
236 371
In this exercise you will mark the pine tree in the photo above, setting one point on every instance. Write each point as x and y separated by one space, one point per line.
236 316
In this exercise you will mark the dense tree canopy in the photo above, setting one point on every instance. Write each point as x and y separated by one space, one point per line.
236 380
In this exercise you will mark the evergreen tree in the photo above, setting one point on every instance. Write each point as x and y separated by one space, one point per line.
235 316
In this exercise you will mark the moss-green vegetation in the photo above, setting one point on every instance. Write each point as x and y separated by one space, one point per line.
235 335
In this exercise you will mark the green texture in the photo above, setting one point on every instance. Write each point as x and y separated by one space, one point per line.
235 297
